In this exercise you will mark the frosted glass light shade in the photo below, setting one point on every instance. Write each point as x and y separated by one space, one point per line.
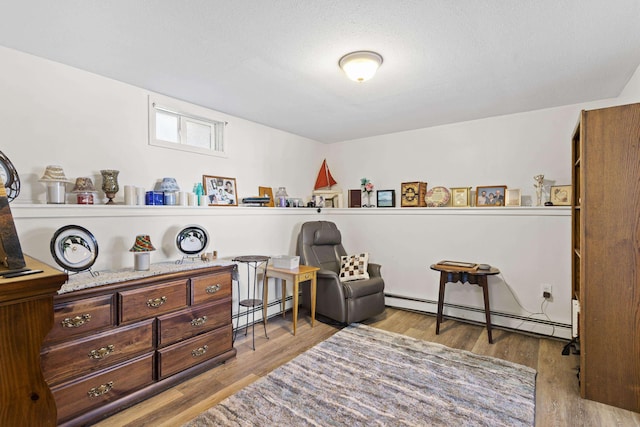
168 184
360 66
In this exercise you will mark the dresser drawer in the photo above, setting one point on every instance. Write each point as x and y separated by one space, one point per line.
211 287
79 317
186 354
192 321
86 355
151 301
76 397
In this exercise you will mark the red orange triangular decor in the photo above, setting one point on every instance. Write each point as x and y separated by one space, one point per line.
324 179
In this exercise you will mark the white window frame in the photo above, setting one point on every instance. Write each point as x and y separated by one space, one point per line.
186 112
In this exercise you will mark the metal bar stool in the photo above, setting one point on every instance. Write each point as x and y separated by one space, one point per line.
252 303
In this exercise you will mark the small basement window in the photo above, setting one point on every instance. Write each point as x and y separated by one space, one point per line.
183 126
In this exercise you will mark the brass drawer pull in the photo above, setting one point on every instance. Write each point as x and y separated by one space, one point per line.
100 390
199 321
155 303
101 353
75 322
213 288
199 351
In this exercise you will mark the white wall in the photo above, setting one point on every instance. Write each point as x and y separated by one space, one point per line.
54 114
531 249
506 150
631 92
530 246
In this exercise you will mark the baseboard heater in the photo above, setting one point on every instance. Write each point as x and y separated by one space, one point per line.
237 318
481 310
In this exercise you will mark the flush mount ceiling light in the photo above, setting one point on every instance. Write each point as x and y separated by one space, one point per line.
360 66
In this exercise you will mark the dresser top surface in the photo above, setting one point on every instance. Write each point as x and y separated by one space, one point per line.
85 280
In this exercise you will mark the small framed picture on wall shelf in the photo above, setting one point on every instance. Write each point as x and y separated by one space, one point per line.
490 196
355 198
267 192
386 198
220 190
460 197
318 201
560 195
513 197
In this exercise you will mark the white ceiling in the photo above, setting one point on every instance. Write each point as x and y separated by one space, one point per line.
276 61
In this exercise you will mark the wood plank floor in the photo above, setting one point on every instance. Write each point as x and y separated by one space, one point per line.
558 402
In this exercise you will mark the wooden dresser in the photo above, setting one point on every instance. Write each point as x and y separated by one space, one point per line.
606 253
118 343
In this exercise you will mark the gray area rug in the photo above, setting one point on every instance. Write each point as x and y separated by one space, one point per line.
363 376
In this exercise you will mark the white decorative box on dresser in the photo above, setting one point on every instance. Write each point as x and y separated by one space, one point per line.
121 337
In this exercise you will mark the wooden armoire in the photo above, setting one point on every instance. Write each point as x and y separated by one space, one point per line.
606 253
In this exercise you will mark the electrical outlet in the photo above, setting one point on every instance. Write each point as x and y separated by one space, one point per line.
546 290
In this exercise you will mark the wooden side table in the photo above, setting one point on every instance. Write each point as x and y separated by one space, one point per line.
296 275
476 277
26 316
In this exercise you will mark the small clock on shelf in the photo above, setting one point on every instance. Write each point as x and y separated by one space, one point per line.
9 176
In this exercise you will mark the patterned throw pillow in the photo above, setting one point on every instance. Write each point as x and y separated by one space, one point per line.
354 267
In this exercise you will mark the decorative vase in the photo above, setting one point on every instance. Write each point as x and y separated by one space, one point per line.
368 204
539 186
110 184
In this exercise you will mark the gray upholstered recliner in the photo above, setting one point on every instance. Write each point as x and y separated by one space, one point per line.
320 245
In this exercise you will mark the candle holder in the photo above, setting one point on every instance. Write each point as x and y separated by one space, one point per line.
56 182
110 184
141 248
169 188
281 197
84 189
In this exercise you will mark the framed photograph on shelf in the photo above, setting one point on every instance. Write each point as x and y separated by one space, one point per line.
560 195
267 192
490 196
386 198
220 190
355 198
513 197
460 197
318 201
